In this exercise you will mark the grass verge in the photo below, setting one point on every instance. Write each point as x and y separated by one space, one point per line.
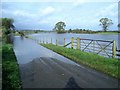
108 66
10 70
0 65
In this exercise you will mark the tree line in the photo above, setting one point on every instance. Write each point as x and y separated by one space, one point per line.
8 27
104 23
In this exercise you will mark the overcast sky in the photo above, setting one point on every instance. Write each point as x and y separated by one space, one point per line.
75 13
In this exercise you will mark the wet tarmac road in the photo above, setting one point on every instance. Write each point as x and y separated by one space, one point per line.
43 68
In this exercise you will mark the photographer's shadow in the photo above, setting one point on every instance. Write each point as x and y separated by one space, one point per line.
72 85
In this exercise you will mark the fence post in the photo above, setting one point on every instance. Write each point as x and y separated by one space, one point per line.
78 43
56 42
72 41
114 49
64 41
40 40
43 41
51 40
46 41
93 46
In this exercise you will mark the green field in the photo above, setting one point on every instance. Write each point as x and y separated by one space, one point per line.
108 33
108 66
10 70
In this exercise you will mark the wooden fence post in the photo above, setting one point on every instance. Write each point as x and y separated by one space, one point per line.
40 40
114 49
78 43
43 41
46 41
51 40
93 46
64 41
56 42
72 41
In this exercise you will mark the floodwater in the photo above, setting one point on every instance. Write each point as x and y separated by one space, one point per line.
68 36
93 47
43 68
27 49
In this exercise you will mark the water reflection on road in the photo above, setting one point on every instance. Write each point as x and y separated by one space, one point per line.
27 49
43 68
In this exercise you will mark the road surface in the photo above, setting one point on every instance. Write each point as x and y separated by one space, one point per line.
43 68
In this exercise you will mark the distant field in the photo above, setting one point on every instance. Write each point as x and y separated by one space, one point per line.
108 33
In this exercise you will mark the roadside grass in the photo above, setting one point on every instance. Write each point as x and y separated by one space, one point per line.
108 66
10 70
0 54
0 65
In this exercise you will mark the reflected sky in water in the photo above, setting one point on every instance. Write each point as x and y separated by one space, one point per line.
26 50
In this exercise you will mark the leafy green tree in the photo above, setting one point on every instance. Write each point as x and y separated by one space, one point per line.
59 27
70 30
36 31
8 23
105 23
7 26
21 33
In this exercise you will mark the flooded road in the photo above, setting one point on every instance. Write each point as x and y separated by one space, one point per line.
43 68
92 46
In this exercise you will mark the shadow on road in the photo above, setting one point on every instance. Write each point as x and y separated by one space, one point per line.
72 85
